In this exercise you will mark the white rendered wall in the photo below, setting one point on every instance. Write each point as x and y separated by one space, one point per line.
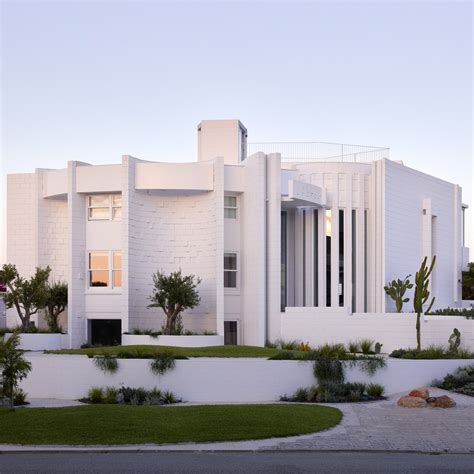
408 231
215 380
171 230
393 330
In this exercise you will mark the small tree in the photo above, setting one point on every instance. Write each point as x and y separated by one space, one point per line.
174 293
27 296
56 303
396 289
14 367
422 294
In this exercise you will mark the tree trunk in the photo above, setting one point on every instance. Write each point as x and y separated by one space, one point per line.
418 335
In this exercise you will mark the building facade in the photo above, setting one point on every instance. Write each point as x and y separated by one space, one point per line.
265 227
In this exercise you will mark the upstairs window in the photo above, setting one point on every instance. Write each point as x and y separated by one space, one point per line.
230 207
230 270
104 207
105 269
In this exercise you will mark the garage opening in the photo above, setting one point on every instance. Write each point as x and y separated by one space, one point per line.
105 332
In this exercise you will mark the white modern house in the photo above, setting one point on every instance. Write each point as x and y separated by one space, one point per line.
273 230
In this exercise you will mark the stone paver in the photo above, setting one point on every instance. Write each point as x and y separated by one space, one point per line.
386 426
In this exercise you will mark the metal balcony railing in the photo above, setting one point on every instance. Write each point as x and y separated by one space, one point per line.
320 151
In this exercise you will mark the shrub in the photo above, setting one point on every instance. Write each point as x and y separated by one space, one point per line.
96 395
19 397
431 352
375 390
146 332
106 363
462 378
301 395
168 398
378 347
286 345
466 312
366 346
162 363
110 395
304 347
332 350
353 347
153 397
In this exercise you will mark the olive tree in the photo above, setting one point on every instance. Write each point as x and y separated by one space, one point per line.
27 296
174 293
56 303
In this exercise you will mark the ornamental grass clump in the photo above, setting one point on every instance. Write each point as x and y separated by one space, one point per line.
106 363
162 363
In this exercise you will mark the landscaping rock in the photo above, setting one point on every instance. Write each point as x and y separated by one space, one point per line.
412 402
420 393
441 402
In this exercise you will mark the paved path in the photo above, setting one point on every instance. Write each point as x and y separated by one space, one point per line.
379 426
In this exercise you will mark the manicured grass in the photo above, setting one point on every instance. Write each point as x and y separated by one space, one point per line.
118 424
147 351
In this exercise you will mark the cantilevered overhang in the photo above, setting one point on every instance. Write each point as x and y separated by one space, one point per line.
175 176
301 194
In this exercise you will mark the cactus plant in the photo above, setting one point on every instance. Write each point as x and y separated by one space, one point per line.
396 289
422 294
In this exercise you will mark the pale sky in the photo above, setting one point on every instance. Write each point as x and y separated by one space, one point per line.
93 81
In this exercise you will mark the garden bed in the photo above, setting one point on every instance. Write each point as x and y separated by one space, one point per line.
118 424
173 341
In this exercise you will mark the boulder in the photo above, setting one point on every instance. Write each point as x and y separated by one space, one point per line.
411 402
442 402
420 393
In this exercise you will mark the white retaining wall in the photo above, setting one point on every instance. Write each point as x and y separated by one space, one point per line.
41 342
393 330
215 380
175 341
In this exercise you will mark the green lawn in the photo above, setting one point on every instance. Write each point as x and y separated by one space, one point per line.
118 424
147 351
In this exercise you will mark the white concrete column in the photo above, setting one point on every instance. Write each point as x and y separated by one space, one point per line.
322 257
77 259
348 244
360 247
335 242
273 273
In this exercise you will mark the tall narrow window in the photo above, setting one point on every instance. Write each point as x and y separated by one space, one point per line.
283 261
303 266
116 207
315 258
365 261
117 269
230 270
98 269
341 257
230 207
354 259
328 256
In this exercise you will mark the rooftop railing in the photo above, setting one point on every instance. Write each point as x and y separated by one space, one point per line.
320 151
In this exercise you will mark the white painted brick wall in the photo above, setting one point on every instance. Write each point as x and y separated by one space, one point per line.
172 230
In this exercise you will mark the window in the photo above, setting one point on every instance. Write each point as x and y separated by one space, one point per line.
105 207
105 269
98 269
117 269
230 207
230 270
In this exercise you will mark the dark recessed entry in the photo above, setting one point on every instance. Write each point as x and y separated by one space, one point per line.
105 332
230 332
